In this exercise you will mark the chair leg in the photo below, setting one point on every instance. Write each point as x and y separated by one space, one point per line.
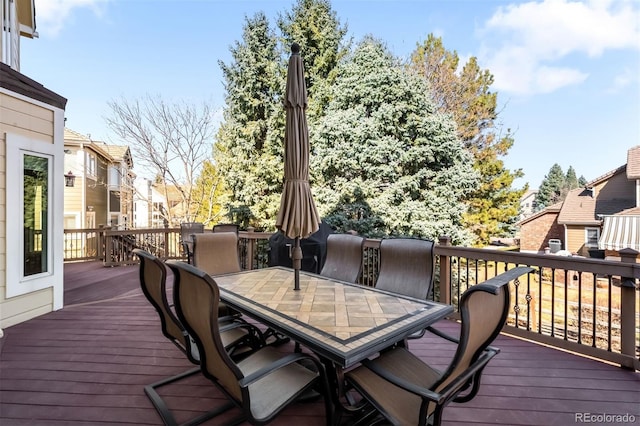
280 339
161 407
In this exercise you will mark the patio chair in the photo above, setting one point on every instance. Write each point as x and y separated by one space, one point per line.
226 227
406 266
262 384
217 253
237 337
186 230
344 257
408 391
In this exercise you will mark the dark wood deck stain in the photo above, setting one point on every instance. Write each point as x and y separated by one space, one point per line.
87 364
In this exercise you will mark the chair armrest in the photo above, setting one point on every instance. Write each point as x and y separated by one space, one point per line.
443 334
452 389
408 386
282 362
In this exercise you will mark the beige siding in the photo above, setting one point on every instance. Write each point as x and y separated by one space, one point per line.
73 197
575 240
618 187
33 121
21 117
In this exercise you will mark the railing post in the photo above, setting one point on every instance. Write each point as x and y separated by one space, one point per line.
628 309
101 244
165 243
445 272
251 247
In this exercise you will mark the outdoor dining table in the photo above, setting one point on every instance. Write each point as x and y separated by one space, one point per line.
341 323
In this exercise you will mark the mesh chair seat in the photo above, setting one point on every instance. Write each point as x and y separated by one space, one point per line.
187 229
406 266
344 257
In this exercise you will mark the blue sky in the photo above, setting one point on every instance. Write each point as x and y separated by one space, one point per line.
567 73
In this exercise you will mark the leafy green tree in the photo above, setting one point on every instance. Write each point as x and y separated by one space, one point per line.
316 28
382 145
465 94
211 195
248 149
550 191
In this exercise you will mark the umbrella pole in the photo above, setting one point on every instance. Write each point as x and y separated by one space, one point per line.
296 258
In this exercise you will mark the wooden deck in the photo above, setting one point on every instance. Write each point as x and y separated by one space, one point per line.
87 364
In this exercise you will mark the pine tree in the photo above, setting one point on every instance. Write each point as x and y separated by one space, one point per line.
248 150
494 207
386 162
314 25
551 188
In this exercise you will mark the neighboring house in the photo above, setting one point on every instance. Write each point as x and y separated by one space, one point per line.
527 204
578 222
31 179
149 205
537 229
102 191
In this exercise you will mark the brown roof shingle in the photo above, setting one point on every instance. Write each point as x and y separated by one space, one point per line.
633 163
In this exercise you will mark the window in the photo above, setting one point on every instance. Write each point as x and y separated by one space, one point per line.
36 182
592 235
114 177
91 164
30 226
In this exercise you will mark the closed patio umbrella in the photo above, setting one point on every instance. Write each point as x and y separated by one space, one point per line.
298 216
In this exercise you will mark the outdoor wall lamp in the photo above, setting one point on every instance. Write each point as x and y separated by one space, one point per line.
69 179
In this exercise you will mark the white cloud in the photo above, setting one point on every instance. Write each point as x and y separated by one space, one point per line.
622 80
528 46
52 15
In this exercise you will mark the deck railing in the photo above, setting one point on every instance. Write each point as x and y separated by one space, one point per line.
588 306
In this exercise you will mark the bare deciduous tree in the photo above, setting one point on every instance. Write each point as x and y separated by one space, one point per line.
170 142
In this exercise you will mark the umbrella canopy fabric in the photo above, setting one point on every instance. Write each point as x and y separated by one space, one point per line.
298 216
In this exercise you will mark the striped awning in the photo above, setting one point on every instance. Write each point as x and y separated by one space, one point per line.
619 232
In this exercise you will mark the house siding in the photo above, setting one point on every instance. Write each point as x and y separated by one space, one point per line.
18 116
617 187
536 233
575 240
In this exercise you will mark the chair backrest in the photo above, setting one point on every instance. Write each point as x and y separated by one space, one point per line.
216 252
226 227
153 281
406 266
483 309
344 257
197 298
188 228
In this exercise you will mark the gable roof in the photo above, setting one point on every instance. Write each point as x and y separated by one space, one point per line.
16 82
554 208
633 163
580 207
119 153
111 152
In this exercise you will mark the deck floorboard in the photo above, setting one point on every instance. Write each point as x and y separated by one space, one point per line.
87 364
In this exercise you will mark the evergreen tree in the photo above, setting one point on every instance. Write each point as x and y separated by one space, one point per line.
494 207
248 150
384 157
551 188
315 27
